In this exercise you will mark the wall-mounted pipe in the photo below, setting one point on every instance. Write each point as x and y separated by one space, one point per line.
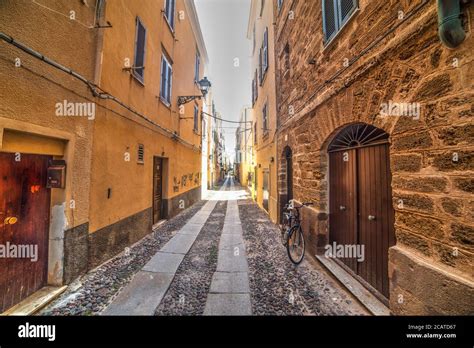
451 31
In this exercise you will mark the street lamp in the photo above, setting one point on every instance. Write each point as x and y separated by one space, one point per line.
204 86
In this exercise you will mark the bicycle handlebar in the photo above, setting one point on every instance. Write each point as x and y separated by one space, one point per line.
306 204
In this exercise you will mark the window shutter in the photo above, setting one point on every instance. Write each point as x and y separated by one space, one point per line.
346 8
329 19
139 51
169 12
196 117
256 85
170 82
163 78
166 80
265 44
264 118
253 91
196 67
99 11
260 66
173 5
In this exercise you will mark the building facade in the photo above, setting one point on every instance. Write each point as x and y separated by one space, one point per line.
375 128
148 62
97 146
261 32
243 166
34 132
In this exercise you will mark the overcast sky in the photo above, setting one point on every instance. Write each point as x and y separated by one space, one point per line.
224 27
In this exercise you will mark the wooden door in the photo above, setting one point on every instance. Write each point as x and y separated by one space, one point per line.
157 189
343 202
361 211
24 226
289 174
376 216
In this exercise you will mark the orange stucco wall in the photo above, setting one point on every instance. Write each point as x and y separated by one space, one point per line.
117 131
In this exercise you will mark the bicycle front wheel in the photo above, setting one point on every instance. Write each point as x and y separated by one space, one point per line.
295 245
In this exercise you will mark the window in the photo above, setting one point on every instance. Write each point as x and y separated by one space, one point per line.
99 11
141 154
254 39
265 118
262 6
263 57
285 61
166 80
197 64
265 50
169 12
196 118
279 4
336 13
255 133
139 63
255 88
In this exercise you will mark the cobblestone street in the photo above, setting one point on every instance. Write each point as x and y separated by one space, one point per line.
234 264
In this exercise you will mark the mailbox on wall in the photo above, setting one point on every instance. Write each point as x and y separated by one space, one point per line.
56 174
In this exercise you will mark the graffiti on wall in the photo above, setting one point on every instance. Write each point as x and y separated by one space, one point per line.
186 180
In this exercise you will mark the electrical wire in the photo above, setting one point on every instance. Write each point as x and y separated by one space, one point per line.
96 91
64 15
223 120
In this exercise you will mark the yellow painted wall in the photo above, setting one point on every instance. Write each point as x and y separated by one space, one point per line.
29 93
265 148
118 131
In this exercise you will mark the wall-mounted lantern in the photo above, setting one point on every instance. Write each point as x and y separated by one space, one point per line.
204 86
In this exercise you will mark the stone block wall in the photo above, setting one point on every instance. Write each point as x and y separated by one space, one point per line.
431 157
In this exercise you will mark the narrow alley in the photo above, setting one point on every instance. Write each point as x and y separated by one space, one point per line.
216 258
190 171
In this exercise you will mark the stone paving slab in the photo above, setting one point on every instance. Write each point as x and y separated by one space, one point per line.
179 244
199 219
228 262
164 263
208 207
228 304
192 230
229 241
223 282
232 229
142 295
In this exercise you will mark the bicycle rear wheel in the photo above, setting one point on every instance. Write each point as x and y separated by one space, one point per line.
295 245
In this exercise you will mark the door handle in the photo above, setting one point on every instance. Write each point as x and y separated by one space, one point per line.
342 207
371 218
10 220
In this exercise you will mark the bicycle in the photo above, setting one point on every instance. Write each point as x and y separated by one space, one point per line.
292 234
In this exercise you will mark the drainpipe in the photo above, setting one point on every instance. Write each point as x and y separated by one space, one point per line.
450 27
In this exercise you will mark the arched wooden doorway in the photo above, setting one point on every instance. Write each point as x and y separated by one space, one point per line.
360 201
